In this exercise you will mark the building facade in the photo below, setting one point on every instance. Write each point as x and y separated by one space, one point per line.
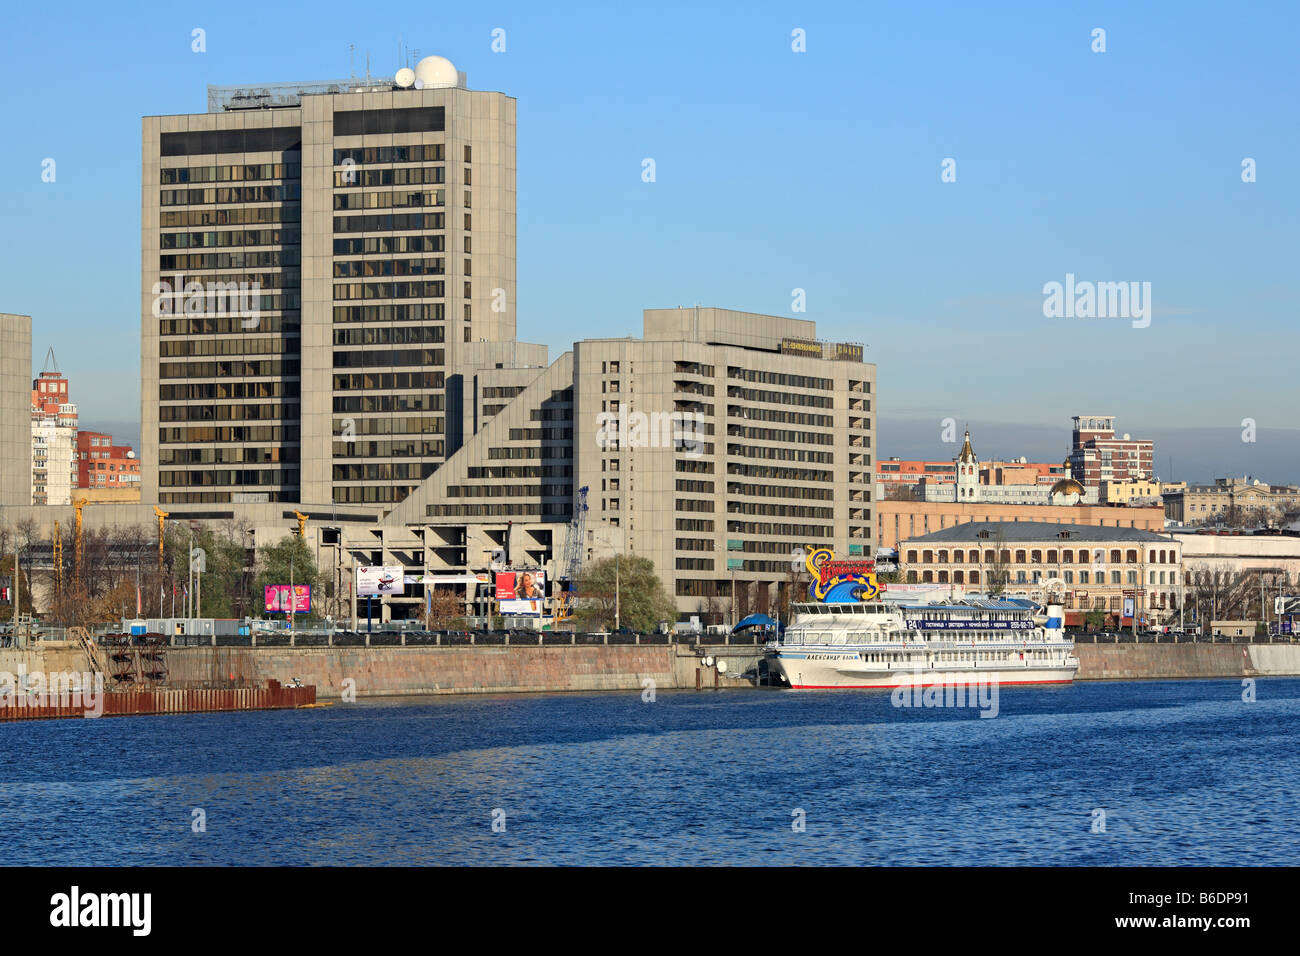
1141 492
316 262
1092 567
1007 483
103 466
53 420
899 520
1096 455
1243 500
15 410
717 445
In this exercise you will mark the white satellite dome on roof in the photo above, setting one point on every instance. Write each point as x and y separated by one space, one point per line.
434 72
405 78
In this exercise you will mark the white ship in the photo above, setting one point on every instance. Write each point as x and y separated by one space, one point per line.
870 644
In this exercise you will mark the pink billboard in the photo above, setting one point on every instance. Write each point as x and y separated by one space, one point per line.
278 601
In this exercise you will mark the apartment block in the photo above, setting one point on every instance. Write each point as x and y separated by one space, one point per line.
1096 455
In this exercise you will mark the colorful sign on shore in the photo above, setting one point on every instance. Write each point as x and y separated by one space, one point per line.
278 600
379 580
839 582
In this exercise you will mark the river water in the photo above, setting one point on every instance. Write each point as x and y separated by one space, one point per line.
1126 773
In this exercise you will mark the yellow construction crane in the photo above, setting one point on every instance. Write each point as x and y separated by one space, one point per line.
302 523
77 543
162 517
58 563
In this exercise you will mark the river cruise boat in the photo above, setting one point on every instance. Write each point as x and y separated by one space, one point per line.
875 644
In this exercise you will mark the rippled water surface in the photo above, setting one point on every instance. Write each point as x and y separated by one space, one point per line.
1185 772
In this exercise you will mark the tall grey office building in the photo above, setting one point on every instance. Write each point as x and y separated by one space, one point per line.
369 229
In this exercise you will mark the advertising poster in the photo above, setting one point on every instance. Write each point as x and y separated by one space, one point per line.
521 592
376 580
279 602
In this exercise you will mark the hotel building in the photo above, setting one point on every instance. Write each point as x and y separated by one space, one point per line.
319 264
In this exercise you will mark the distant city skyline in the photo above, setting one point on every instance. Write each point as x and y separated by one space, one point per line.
1196 454
778 173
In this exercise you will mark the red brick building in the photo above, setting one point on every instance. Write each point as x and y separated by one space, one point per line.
101 464
1096 455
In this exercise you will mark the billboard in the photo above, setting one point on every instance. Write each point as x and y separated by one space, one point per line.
840 581
377 580
521 592
278 600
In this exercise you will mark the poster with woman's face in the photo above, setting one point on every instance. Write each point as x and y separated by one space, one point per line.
521 592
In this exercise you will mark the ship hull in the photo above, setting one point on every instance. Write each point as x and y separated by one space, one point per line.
825 672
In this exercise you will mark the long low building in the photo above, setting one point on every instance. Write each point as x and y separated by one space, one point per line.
1094 567
898 521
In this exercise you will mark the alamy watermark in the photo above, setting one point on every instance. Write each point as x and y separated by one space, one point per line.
974 693
66 690
682 431
242 299
1098 300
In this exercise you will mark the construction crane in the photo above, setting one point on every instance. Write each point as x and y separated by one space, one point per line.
58 563
573 549
77 550
162 517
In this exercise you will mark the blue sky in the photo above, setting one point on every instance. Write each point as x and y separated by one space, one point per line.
775 170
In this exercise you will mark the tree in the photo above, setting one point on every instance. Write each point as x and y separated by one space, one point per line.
446 609
642 600
999 574
289 556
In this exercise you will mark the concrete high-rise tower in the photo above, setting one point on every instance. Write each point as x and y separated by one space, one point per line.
15 410
316 261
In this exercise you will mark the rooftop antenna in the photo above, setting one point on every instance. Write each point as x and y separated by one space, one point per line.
49 357
352 69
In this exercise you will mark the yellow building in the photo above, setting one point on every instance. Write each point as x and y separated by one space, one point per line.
1138 491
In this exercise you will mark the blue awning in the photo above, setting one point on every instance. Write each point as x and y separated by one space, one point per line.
754 620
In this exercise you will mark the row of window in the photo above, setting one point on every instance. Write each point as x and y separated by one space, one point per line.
210 142
271 368
231 237
227 456
230 195
210 391
229 324
345 404
273 259
266 411
402 176
346 291
169 348
390 335
372 155
195 434
388 245
1035 556
391 222
388 449
389 381
780 378
234 216
389 200
368 268
419 312
179 175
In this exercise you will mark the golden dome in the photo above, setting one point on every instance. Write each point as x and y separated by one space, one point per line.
1067 486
